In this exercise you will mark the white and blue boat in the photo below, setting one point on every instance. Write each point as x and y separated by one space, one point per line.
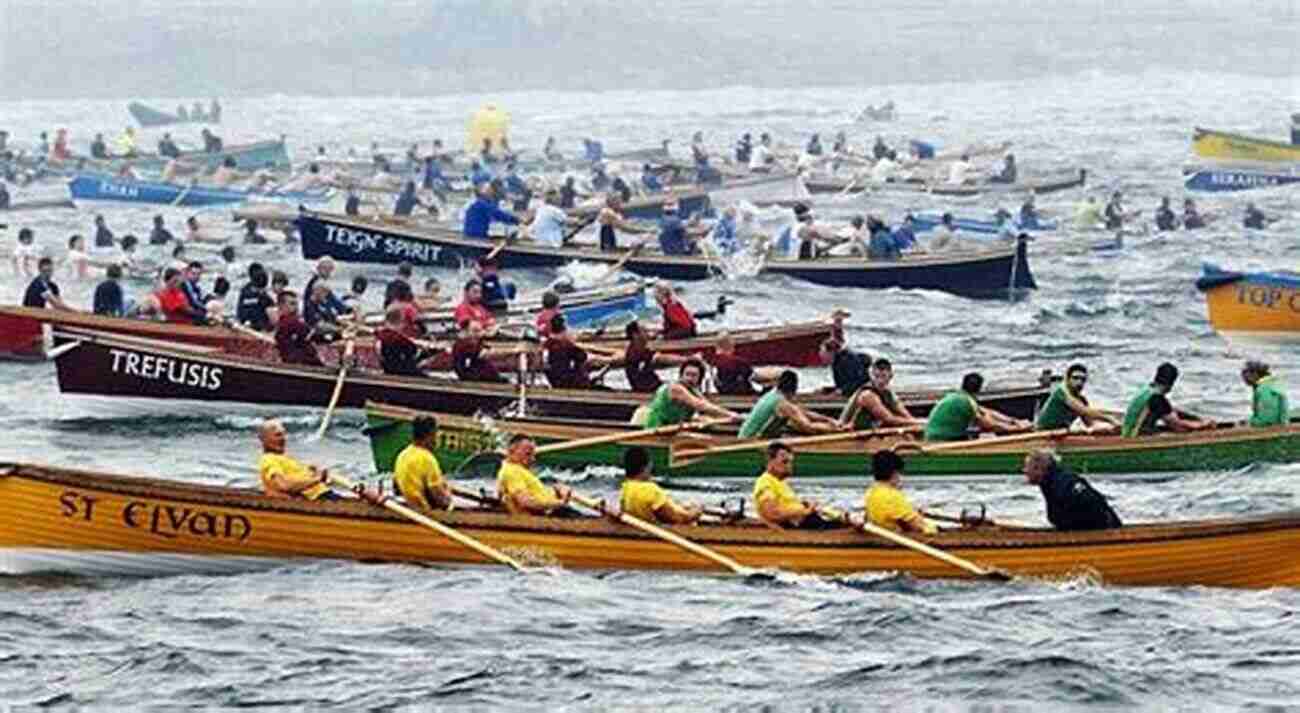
108 188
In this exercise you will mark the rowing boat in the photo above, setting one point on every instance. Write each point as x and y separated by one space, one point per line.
261 154
1058 181
1209 143
1252 306
1220 180
108 188
86 522
148 116
154 372
459 438
982 273
924 222
38 205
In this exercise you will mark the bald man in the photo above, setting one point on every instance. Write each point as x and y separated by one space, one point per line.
284 477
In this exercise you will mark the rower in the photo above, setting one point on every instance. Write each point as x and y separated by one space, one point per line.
251 236
4 195
944 237
1072 503
849 369
1269 405
42 292
761 160
1151 407
733 374
649 181
168 148
1008 174
173 302
472 309
227 173
1115 211
416 474
776 501
814 147
109 300
399 355
640 362
1295 129
98 147
620 186
884 502
1067 403
483 212
722 237
960 170
283 476
775 410
958 411
254 302
567 364
496 295
875 405
1192 218
405 270
103 236
1029 215
193 291
568 193
610 218
550 152
641 497
678 402
325 306
211 142
1088 214
676 237
522 492
467 355
678 323
1255 218
214 112
407 200
158 235
549 221
1165 217
126 143
292 335
744 148
352 300
60 150
881 245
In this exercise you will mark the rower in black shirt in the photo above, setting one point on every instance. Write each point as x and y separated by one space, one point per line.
103 236
254 300
42 292
160 235
1072 504
848 368
109 300
1166 219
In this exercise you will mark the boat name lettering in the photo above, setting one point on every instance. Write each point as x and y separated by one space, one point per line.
72 504
1268 297
465 441
116 189
149 366
172 521
1242 179
359 240
411 250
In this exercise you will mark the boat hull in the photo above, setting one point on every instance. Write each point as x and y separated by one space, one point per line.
1253 307
1226 180
925 222
77 517
459 438
991 273
148 116
1224 145
103 365
105 188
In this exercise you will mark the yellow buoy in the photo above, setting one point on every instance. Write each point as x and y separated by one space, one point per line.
488 123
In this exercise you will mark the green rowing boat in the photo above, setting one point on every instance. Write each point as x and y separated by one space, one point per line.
684 455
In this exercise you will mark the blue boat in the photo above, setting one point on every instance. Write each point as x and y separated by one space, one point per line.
107 188
994 272
925 222
1218 180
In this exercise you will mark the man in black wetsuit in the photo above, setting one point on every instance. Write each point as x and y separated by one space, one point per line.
1166 219
1072 504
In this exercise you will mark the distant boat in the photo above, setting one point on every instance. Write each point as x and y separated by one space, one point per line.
1219 180
106 188
929 221
1208 143
148 116
1260 307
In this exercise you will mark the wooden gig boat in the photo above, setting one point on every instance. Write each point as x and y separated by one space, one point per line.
459 438
990 273
1256 306
105 365
62 520
1225 145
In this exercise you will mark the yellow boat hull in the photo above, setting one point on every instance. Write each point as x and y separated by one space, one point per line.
1225 146
65 520
1255 312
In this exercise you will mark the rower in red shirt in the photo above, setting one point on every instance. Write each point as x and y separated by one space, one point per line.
567 364
640 362
734 375
467 356
550 310
472 309
292 335
678 321
173 302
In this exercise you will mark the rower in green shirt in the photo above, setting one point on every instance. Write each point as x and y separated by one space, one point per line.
959 411
1150 408
677 402
775 413
1067 402
1268 404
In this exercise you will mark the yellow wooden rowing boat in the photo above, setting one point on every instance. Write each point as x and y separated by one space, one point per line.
64 520
1226 146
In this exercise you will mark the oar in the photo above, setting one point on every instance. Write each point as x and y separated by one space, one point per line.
670 537
338 388
687 453
444 530
1004 524
579 228
870 528
981 442
250 332
183 195
497 248
849 187
613 269
488 459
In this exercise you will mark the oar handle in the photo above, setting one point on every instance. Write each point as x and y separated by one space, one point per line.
663 534
444 530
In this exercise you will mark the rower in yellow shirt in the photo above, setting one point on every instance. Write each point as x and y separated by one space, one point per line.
522 492
643 498
417 475
284 477
776 501
885 503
